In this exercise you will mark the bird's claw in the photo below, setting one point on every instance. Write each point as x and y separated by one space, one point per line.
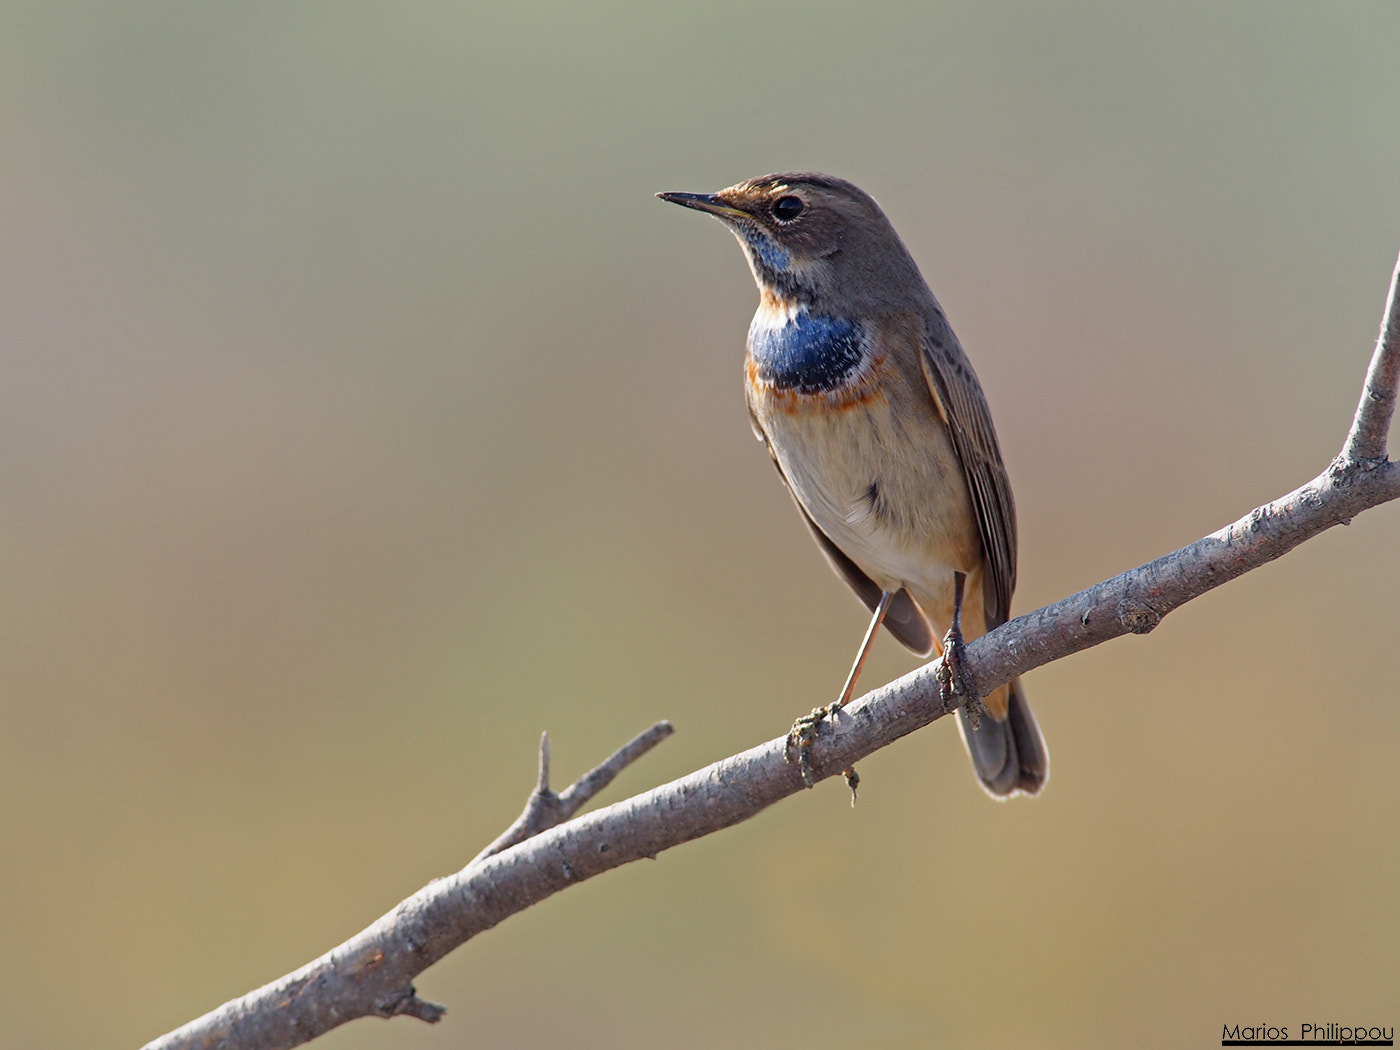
802 736
956 687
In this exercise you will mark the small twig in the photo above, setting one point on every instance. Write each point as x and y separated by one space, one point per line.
409 1005
1366 443
544 809
577 794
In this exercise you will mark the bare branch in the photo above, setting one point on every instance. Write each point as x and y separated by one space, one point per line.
1367 441
371 974
545 852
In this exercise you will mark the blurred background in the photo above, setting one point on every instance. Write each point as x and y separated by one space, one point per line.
362 415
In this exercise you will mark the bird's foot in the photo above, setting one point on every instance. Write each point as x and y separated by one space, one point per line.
956 687
803 735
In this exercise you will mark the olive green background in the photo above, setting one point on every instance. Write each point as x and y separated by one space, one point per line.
363 415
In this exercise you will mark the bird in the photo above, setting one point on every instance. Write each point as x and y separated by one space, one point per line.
879 429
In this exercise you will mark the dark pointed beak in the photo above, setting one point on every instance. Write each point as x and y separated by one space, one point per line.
706 202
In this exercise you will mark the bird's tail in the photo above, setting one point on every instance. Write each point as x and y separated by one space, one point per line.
1008 753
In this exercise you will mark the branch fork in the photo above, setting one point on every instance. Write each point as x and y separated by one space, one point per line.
544 809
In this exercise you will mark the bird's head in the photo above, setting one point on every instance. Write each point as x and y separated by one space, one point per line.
811 239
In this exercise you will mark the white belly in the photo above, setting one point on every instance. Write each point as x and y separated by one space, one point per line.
889 492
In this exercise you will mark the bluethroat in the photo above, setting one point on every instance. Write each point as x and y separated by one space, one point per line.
879 428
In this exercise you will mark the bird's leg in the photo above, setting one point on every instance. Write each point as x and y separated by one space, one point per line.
850 687
952 675
804 731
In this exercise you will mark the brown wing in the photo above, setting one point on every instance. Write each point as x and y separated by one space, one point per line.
959 396
903 619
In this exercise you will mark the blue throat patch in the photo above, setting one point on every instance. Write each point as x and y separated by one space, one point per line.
770 255
811 355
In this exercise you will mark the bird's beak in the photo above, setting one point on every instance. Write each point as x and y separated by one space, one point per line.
706 202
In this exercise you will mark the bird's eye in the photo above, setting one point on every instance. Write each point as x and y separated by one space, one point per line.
785 209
